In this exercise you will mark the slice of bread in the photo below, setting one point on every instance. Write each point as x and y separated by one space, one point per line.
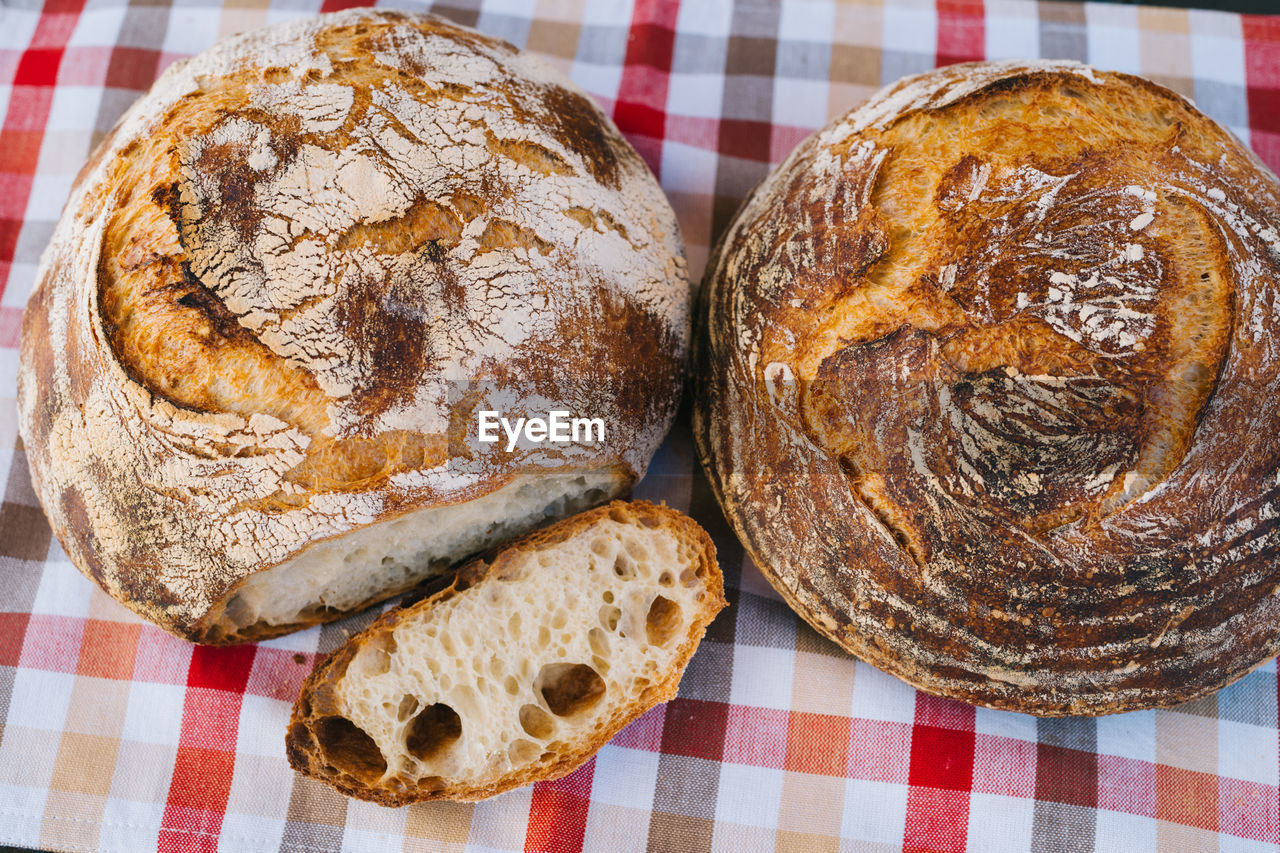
521 669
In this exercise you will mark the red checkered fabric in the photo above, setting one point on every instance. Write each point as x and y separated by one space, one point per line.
117 737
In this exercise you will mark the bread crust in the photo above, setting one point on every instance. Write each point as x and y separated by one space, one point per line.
321 696
935 454
290 275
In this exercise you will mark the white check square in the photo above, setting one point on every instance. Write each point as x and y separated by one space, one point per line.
154 714
131 825
705 17
874 812
625 777
1131 735
800 103
1122 831
40 699
879 696
63 591
762 677
192 29
23 814
1011 30
1114 38
1248 752
807 20
749 796
1215 56
98 26
907 29
998 824
697 95
989 721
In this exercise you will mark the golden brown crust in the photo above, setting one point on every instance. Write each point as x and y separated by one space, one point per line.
986 387
295 269
321 700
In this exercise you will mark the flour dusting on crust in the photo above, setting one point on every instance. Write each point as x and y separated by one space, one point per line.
294 270
1028 455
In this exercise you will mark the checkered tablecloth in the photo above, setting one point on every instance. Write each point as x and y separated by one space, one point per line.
118 737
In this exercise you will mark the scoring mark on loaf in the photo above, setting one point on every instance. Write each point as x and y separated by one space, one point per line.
345 218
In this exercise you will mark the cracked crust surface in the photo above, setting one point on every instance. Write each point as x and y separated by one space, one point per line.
295 269
987 381
521 669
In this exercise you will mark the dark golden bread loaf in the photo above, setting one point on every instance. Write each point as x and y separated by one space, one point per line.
521 669
286 283
987 385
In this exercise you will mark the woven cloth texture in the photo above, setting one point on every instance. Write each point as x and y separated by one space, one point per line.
118 737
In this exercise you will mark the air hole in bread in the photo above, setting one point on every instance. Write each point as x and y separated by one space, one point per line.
637 551
599 642
663 621
408 706
690 577
665 579
609 616
522 751
569 689
624 567
348 748
431 783
608 596
237 613
375 659
601 547
433 731
513 625
511 685
536 722
544 637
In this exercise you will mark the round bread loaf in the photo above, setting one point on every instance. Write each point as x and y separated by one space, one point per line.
988 388
286 287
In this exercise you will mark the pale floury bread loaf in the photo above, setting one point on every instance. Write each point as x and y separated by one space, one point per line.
988 388
521 669
287 283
